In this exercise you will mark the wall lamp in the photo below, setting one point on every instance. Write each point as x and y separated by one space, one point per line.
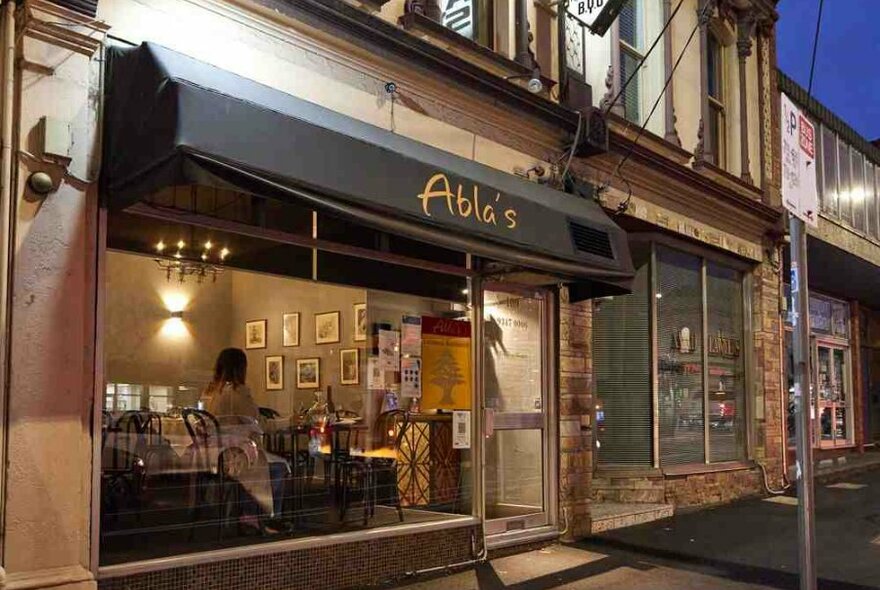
177 315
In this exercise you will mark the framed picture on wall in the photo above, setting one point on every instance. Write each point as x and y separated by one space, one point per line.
274 372
308 373
290 329
327 327
360 322
255 334
349 368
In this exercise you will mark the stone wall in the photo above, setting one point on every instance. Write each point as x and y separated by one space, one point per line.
575 409
706 489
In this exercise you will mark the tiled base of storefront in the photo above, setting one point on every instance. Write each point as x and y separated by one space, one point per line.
350 565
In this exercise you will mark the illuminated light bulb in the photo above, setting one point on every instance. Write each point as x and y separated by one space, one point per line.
160 246
224 253
204 255
181 244
208 245
178 255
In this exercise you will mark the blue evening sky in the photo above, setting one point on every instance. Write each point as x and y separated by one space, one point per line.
847 77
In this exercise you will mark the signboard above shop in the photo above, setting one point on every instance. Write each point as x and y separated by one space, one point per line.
799 193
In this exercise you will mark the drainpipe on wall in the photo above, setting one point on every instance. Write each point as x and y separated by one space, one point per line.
7 244
521 32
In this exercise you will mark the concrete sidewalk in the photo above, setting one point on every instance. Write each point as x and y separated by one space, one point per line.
567 567
759 538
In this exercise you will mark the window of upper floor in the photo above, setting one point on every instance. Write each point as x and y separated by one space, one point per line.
716 95
848 185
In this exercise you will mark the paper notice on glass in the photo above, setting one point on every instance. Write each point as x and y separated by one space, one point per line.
411 336
461 429
389 350
411 377
489 422
375 375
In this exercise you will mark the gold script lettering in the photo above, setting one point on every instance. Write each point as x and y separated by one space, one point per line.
431 192
459 205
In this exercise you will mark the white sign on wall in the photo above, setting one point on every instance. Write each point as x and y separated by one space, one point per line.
458 15
799 193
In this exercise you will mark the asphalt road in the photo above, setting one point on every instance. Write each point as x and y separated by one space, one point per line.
755 541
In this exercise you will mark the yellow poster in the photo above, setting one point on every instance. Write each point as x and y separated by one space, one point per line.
446 364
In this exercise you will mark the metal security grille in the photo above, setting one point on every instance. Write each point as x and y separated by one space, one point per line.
679 300
591 241
622 369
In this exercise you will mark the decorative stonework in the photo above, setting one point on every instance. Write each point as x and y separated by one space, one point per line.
691 228
767 110
700 148
606 103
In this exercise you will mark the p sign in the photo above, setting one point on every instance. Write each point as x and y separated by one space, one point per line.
799 193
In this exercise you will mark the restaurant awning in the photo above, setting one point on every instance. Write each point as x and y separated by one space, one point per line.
173 120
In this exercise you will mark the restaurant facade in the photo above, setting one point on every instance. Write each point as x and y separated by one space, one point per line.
319 293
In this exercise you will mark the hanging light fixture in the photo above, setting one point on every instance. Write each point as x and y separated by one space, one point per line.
180 266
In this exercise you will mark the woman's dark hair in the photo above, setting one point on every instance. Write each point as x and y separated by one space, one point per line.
231 367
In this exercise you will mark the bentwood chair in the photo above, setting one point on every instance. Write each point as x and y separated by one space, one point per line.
206 437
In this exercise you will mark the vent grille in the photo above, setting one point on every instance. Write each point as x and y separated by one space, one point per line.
591 241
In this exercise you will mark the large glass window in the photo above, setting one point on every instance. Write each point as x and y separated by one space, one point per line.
632 50
844 183
247 401
871 201
700 364
726 371
679 303
858 192
717 98
622 370
829 171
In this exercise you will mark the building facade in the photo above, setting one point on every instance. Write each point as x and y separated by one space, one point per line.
842 320
470 301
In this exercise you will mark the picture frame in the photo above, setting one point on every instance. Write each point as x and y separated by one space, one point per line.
254 334
360 322
290 329
327 329
308 373
349 366
274 373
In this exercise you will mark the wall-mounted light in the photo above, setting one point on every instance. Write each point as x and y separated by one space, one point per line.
177 314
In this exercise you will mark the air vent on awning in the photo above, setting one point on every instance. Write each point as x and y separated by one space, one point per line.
591 241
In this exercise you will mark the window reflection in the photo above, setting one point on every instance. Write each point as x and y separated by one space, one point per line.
232 431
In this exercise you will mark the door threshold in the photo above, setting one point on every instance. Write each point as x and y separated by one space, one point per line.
519 537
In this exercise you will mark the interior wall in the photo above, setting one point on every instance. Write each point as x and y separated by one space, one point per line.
257 297
144 344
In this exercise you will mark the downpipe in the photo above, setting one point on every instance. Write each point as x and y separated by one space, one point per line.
7 208
480 558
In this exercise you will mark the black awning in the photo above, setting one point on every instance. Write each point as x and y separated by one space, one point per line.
173 120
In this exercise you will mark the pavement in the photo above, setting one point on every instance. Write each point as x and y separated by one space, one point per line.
758 538
747 545
573 567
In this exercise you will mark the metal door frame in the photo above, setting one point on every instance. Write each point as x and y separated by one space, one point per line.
522 524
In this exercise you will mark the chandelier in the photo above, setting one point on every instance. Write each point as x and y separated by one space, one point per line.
176 265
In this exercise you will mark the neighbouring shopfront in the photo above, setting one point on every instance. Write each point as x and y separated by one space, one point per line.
674 344
833 406
671 362
318 333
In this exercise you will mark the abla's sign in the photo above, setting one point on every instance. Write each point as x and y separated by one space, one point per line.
488 211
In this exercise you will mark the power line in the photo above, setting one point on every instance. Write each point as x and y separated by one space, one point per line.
625 204
815 47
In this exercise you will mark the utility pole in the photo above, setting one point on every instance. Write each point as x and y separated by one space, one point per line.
803 402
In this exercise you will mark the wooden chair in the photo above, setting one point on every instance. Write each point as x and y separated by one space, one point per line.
392 427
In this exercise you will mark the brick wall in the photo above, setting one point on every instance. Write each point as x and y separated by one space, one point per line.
713 488
769 441
575 408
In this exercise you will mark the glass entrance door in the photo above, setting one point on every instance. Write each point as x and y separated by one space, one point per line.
515 390
833 426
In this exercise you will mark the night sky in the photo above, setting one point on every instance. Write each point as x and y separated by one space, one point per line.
847 77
